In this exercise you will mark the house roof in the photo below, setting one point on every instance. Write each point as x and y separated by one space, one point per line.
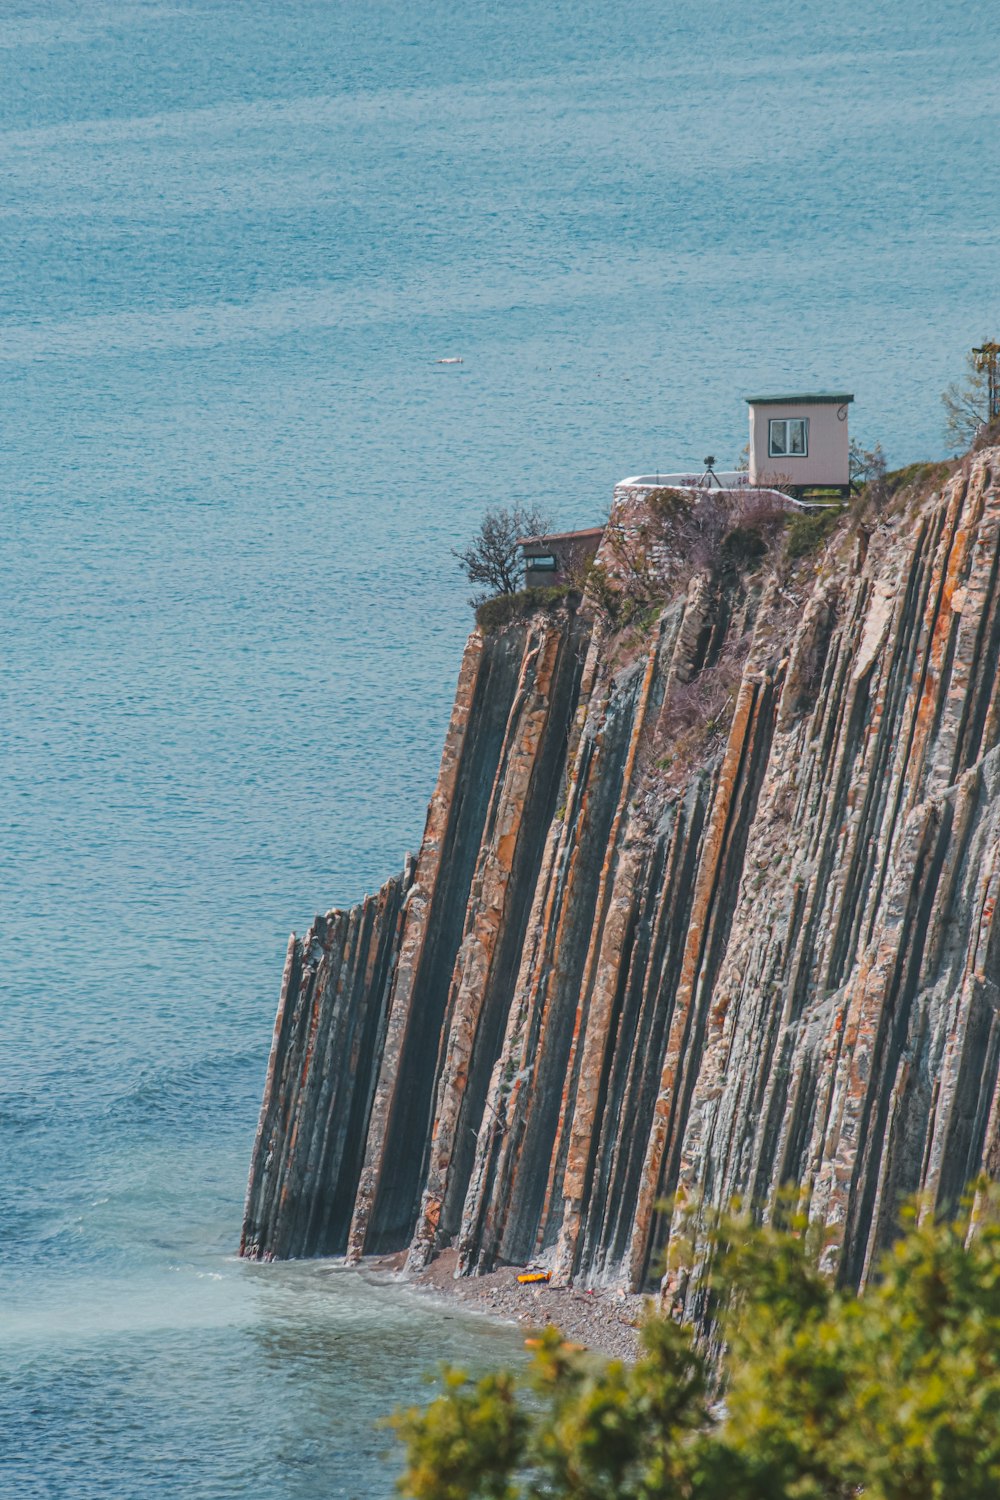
561 536
811 398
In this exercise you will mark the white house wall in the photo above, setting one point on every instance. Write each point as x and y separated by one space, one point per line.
827 461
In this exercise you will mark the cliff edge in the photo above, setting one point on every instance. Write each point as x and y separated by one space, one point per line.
704 905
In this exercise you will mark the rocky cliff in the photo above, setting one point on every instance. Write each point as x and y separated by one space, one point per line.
704 905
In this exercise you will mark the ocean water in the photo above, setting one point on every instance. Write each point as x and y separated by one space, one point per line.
236 239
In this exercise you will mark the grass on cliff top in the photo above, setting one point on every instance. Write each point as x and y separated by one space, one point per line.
899 489
809 530
924 475
503 609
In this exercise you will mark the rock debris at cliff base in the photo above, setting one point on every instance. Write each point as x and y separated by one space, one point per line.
604 1319
640 953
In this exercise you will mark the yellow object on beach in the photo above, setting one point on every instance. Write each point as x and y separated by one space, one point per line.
534 1276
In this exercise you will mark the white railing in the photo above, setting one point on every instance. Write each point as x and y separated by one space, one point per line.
728 479
730 482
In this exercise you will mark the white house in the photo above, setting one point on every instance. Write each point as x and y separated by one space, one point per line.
800 442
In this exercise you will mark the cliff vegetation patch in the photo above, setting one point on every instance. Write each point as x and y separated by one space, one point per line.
695 718
495 613
652 554
808 531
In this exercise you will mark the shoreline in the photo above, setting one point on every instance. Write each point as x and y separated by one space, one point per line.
603 1321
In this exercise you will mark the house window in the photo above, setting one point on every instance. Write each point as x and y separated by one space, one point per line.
788 437
543 564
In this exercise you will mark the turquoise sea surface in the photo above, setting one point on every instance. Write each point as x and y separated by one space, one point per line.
236 239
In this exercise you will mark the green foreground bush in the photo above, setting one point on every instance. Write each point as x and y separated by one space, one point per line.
818 1394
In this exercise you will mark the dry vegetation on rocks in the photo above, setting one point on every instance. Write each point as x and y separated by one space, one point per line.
654 546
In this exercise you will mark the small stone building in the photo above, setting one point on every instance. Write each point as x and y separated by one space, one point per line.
549 561
801 442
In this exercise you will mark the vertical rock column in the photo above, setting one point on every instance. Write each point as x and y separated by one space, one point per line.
328 1039
496 792
525 794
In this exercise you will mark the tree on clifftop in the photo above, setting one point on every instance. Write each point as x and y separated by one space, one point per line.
492 560
820 1394
966 405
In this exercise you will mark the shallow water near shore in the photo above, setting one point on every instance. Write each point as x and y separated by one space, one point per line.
231 1380
238 239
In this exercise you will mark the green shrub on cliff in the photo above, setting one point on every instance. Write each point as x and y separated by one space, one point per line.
819 1394
808 531
921 477
493 614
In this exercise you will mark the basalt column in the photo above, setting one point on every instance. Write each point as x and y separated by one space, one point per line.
525 794
497 790
328 1040
560 1152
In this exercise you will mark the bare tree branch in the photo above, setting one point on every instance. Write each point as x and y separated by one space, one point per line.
966 405
492 560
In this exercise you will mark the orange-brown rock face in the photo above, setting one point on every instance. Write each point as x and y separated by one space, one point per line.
328 1038
429 983
707 907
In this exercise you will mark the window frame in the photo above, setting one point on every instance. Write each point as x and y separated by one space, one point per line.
541 562
786 452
